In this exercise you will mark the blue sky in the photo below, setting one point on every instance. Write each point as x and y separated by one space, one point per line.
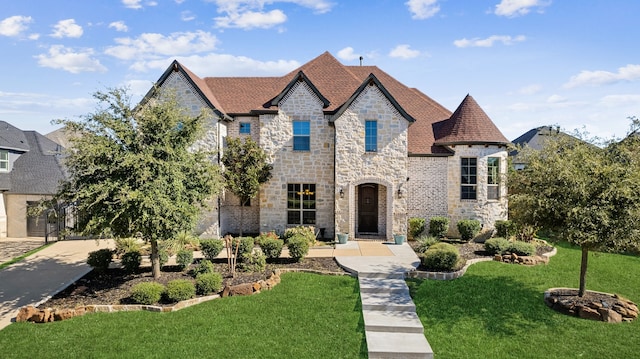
528 63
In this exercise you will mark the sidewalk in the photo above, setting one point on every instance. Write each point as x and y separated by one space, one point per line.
41 275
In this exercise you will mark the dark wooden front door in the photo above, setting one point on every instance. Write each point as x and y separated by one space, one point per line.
368 208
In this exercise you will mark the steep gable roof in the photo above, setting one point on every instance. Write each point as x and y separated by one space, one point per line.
12 138
38 171
300 77
469 124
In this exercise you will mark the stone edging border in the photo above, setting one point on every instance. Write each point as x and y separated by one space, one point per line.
31 314
459 273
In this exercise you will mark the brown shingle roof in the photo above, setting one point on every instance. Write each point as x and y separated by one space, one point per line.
469 124
337 83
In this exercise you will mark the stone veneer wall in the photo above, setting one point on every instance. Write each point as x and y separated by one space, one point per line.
208 224
487 211
427 187
386 167
289 166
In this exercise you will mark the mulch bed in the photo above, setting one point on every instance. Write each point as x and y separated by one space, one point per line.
114 285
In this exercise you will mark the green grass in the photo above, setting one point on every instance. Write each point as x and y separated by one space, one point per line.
497 310
18 259
305 316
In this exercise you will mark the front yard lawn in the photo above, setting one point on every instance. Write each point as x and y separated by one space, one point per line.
496 310
305 316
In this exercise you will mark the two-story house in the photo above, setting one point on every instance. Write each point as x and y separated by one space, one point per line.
353 150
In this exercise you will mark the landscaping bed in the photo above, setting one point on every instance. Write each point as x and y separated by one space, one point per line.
114 285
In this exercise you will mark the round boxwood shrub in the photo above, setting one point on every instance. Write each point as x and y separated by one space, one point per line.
211 248
147 293
207 283
505 228
438 226
204 266
100 259
131 261
298 247
497 245
441 257
254 261
469 228
184 258
416 227
271 247
179 289
522 248
245 246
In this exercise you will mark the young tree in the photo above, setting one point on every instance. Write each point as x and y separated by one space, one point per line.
589 195
245 169
132 170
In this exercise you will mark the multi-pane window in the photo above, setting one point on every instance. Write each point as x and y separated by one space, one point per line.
4 160
301 136
371 136
493 173
301 203
468 178
245 128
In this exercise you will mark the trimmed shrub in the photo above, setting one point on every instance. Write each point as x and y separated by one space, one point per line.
207 283
211 248
125 245
253 261
522 248
298 247
204 266
497 245
131 261
100 259
147 293
163 255
179 289
505 228
184 258
425 242
272 248
441 257
469 228
246 245
438 226
306 232
416 227
264 236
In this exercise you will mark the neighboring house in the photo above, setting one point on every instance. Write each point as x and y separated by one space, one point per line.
535 139
30 170
353 150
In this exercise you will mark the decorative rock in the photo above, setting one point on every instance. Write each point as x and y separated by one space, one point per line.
241 289
497 258
256 287
588 313
63 314
26 313
610 316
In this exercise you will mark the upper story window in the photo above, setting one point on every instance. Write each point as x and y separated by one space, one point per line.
4 160
468 178
301 136
371 136
301 203
245 128
493 178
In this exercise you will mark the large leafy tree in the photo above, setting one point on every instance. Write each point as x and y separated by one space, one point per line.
133 171
245 169
587 194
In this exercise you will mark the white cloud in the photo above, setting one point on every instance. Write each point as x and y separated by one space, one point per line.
251 19
423 9
132 4
601 77
187 16
513 8
404 52
60 57
620 100
556 99
348 54
489 41
119 26
14 25
179 1
152 44
222 65
34 36
530 90
66 28
138 87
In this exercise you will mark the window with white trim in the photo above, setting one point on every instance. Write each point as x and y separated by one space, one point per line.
468 177
493 178
301 203
4 160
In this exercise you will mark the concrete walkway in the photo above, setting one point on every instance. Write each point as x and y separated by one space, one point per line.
38 277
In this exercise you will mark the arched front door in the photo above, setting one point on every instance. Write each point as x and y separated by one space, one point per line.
368 208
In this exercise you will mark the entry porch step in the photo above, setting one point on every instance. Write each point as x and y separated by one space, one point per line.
386 345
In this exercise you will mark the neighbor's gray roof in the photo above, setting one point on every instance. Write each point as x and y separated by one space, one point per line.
12 138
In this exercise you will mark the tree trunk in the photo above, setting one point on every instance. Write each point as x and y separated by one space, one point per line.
155 259
583 271
242 203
